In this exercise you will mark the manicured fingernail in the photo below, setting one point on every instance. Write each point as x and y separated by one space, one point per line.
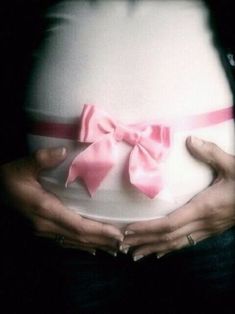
196 141
124 248
160 255
129 232
137 257
113 253
121 247
119 237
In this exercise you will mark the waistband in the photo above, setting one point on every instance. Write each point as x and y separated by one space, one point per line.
185 123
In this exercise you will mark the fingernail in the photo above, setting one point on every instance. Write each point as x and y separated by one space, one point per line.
113 253
124 248
59 152
129 232
93 252
137 257
196 141
119 237
160 255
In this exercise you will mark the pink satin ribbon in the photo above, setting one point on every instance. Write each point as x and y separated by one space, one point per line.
149 146
150 143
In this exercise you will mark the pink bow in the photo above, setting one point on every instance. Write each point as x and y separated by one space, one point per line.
150 144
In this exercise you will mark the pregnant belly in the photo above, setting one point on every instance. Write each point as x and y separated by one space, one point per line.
153 64
116 200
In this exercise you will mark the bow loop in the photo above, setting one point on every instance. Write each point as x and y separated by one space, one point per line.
94 124
150 144
156 139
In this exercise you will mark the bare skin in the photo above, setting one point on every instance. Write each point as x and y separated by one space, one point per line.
46 214
209 213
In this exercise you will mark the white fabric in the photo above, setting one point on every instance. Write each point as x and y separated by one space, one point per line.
138 60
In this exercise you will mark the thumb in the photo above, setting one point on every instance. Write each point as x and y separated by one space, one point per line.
209 153
47 158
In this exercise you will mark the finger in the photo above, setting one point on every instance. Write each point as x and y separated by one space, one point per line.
94 228
49 207
89 230
210 153
61 240
61 236
48 229
56 219
192 228
67 244
178 244
163 238
180 217
93 250
47 158
194 211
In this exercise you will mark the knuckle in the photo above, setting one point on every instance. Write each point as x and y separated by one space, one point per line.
44 205
201 207
76 232
174 245
211 148
137 241
169 226
214 219
209 208
212 225
105 230
36 208
167 238
79 230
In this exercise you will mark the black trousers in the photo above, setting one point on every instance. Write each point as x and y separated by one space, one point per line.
38 277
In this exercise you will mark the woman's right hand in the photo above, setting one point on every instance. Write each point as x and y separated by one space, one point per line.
47 215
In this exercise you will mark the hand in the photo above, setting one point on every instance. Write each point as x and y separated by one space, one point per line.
209 213
45 212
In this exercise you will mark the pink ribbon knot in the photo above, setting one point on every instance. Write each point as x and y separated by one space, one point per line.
150 143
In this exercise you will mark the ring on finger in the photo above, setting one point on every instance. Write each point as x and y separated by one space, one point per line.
190 239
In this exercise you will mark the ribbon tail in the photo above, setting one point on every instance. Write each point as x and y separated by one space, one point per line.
144 172
93 164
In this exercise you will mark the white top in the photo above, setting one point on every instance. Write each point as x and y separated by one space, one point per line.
137 60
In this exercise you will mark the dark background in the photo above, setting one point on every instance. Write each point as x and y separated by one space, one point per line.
21 29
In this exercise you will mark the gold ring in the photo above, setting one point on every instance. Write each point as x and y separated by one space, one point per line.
190 239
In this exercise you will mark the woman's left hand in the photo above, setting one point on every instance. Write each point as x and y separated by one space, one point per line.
209 213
